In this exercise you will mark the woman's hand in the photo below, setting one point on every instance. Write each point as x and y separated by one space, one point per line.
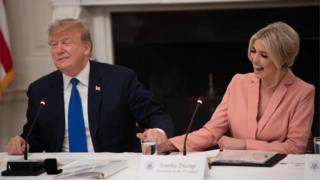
226 142
166 147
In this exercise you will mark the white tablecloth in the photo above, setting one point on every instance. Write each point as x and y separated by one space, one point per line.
290 168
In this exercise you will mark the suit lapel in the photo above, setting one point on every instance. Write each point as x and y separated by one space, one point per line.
56 104
276 98
94 100
253 100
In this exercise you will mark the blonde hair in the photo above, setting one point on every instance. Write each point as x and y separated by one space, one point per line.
281 41
69 23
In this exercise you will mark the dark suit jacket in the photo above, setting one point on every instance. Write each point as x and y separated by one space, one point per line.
113 110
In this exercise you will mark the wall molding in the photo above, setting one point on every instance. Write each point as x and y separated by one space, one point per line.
98 12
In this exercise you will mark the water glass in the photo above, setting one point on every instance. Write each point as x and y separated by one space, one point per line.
149 147
316 144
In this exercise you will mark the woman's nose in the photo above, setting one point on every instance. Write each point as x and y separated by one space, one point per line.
255 58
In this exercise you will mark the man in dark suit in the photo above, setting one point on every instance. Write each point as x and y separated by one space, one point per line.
113 101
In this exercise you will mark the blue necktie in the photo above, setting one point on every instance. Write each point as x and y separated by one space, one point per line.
77 132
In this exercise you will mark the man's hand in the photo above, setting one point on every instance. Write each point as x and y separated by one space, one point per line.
16 146
226 142
155 133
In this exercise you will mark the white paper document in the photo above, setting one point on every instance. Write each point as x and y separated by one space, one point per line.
312 167
91 169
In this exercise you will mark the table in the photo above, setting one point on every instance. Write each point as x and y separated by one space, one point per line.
290 168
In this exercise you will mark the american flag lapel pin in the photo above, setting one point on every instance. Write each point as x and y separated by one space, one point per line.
98 88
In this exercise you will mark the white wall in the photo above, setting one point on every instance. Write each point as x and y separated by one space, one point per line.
28 22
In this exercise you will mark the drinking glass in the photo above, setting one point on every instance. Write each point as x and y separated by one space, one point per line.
149 147
316 144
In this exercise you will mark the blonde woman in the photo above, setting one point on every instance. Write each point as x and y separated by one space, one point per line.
269 109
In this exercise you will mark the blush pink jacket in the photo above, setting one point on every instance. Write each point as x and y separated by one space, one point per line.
284 126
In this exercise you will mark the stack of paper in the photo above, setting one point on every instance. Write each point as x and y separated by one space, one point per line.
92 168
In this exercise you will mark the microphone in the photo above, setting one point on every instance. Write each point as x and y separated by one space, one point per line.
199 102
41 105
31 167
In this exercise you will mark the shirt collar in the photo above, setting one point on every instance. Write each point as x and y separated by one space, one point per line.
83 77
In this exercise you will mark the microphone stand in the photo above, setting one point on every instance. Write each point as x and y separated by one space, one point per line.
199 102
42 104
26 167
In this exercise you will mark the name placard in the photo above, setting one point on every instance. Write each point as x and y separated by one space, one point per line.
173 167
312 167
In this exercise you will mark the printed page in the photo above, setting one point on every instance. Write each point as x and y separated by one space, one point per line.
92 168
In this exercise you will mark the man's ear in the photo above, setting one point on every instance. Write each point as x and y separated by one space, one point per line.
87 49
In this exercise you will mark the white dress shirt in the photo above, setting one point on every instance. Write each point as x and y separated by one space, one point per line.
82 87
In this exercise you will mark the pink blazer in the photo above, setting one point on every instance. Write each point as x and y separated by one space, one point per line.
284 127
